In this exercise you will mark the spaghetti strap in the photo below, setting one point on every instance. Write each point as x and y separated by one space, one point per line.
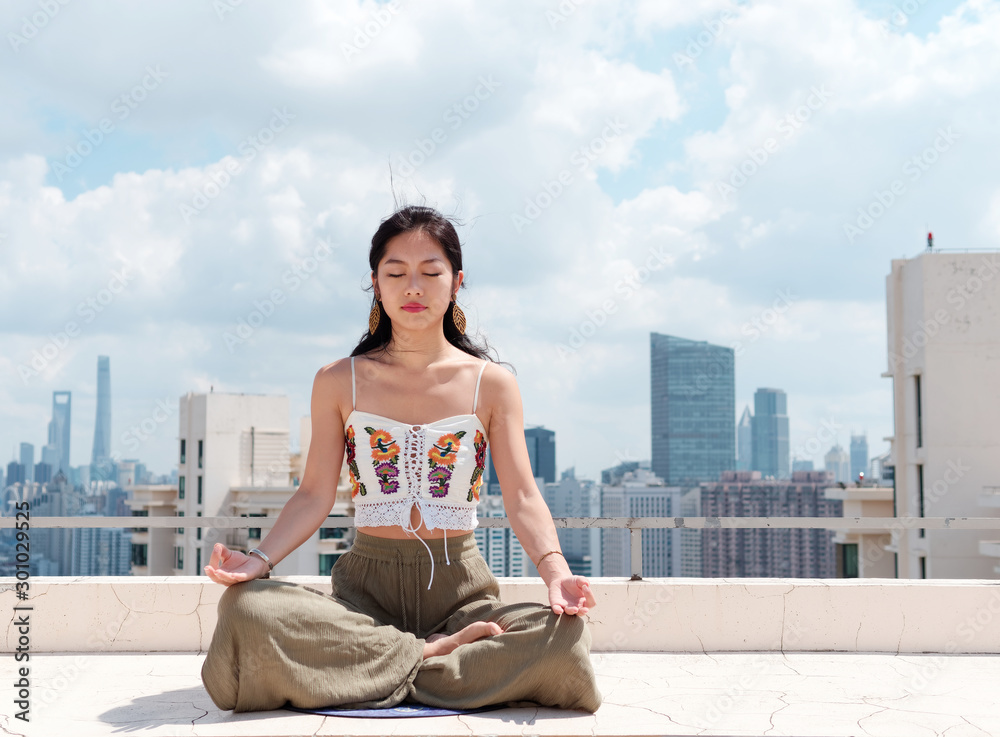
354 400
475 402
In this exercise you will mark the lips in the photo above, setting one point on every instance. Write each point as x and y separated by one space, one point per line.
414 307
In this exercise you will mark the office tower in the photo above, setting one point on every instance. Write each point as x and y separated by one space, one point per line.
43 473
499 546
744 441
100 460
641 494
859 456
693 406
56 453
943 353
28 461
542 452
770 433
572 497
99 551
801 465
738 552
837 462
541 444
15 473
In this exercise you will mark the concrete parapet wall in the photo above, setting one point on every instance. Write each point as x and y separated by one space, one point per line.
178 614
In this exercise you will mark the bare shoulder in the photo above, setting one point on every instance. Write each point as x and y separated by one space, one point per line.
332 388
499 397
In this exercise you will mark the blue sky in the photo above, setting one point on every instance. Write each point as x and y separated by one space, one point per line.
825 104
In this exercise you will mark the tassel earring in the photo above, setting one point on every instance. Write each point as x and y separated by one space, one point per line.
458 317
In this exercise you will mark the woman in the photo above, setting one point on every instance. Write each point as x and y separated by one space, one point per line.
384 636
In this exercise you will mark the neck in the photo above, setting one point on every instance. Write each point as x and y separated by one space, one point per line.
415 351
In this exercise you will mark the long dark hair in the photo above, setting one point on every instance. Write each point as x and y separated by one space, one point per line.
437 226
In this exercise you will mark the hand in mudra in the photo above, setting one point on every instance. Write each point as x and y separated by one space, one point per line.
231 566
571 595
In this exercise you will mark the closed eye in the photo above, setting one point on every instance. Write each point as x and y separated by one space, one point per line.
395 275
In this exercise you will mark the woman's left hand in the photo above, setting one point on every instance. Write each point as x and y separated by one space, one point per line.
571 595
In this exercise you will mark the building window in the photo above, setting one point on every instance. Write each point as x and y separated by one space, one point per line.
201 452
198 535
920 497
199 489
849 553
197 560
183 451
180 530
180 487
254 532
140 513
178 557
326 561
332 533
920 424
139 554
923 566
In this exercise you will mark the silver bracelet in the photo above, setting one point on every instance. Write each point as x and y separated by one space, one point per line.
263 557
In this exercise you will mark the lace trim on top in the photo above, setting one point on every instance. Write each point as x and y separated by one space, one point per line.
434 516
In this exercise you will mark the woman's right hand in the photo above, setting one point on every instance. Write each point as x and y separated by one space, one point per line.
231 566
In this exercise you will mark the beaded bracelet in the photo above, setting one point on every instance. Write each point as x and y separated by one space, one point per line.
546 554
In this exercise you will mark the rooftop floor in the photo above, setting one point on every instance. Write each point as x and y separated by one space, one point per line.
719 693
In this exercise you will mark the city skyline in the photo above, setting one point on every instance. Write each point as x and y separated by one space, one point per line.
741 174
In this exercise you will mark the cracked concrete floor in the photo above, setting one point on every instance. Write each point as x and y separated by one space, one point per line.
771 693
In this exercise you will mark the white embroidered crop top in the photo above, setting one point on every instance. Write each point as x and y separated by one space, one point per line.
437 467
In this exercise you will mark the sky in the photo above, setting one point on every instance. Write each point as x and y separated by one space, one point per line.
191 189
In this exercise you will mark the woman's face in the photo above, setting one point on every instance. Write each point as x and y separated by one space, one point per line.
415 271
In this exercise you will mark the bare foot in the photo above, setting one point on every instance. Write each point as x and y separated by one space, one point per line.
440 644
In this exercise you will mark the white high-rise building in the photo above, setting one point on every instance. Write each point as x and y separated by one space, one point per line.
837 462
499 545
573 497
944 362
642 494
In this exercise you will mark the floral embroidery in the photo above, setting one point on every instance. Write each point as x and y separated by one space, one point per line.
441 459
357 487
477 475
385 457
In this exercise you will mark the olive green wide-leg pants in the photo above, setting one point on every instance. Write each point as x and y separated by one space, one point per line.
279 643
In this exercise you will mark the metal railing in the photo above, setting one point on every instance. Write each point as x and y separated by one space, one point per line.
635 525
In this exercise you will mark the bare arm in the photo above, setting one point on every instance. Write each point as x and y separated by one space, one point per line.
305 511
526 508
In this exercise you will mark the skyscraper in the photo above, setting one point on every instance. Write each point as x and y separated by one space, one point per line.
859 456
542 452
693 405
28 461
838 463
744 441
770 433
56 453
100 460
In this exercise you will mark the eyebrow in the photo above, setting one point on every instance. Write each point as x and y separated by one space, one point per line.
400 261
